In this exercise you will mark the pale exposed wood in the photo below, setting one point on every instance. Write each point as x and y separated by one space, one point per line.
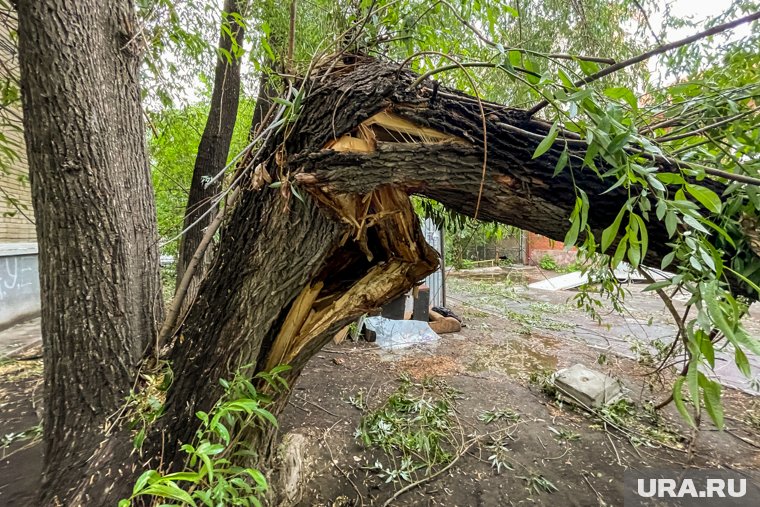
298 313
400 241
399 129
341 336
395 123
348 143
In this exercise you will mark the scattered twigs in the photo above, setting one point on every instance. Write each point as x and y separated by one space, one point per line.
617 455
323 409
466 446
653 52
741 438
599 497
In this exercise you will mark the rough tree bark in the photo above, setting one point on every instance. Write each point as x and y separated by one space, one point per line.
96 224
215 143
291 272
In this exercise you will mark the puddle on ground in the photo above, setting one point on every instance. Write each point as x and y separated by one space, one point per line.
517 357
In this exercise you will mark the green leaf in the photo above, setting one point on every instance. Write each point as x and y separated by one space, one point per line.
610 233
680 405
671 223
716 312
657 285
692 381
258 477
531 66
706 347
667 260
144 478
266 415
750 343
625 94
719 230
572 235
561 162
671 178
207 465
714 407
515 58
634 255
694 224
643 235
661 209
740 358
706 197
620 251
587 67
171 491
566 81
548 141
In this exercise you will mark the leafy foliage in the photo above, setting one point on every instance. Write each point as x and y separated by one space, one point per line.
415 428
212 474
173 144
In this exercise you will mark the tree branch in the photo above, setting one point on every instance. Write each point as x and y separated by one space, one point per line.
654 52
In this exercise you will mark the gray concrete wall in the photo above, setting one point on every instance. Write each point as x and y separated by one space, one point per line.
19 283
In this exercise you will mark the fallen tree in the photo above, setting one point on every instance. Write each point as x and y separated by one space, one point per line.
333 237
291 271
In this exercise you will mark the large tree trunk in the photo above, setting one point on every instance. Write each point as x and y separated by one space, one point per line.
96 225
290 273
214 146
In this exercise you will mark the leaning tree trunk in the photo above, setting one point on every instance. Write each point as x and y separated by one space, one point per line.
96 224
291 272
214 146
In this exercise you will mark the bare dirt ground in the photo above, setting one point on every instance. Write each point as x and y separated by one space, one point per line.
552 453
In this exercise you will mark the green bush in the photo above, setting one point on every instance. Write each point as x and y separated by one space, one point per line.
547 262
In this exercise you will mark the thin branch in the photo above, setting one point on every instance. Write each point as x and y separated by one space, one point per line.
646 20
466 64
167 328
717 124
14 202
291 35
489 42
654 52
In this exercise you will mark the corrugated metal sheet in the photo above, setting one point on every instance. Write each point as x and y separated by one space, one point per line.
435 281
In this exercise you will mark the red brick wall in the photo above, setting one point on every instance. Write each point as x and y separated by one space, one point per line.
538 246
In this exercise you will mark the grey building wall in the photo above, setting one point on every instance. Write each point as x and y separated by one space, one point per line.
19 283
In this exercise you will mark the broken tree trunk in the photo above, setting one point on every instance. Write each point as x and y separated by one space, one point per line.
339 237
291 273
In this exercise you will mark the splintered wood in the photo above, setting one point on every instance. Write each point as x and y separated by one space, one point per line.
387 127
398 253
